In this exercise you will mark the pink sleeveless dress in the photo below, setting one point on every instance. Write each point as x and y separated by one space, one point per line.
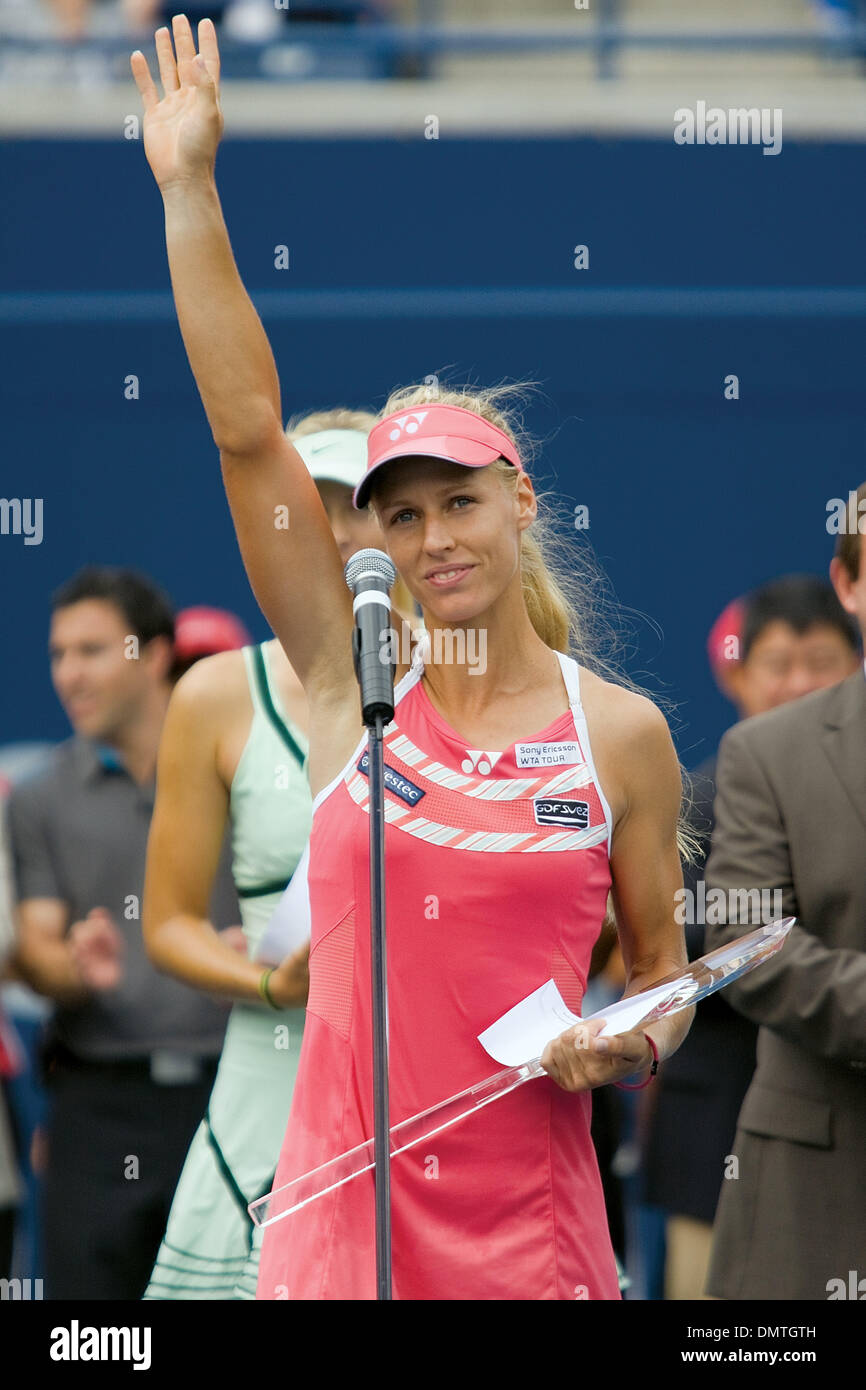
497 879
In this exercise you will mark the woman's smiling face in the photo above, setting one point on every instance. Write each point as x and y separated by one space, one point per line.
453 532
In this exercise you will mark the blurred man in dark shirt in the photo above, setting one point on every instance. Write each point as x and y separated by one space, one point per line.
132 1056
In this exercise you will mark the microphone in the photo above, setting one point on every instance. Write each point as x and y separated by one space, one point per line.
370 575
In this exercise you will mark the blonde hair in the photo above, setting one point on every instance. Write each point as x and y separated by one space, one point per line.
561 590
568 596
341 418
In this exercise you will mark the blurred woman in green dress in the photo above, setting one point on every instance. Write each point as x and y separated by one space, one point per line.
234 749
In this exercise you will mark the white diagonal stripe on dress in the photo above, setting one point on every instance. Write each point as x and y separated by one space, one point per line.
579 776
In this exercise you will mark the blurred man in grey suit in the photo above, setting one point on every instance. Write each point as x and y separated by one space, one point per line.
791 814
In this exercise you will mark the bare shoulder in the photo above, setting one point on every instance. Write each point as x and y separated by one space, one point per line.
210 713
631 744
626 715
214 686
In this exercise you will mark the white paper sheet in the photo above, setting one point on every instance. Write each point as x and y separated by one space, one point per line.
523 1033
290 926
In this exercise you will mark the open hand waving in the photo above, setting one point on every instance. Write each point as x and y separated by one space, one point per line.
182 130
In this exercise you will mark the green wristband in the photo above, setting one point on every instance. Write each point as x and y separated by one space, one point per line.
264 988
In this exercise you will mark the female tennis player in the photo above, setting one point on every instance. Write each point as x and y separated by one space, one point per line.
527 789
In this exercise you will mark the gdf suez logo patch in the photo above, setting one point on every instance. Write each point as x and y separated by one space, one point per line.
558 811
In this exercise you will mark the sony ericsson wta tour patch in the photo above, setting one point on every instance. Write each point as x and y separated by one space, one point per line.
561 810
547 754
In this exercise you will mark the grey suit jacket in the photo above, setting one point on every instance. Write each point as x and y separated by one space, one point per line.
791 814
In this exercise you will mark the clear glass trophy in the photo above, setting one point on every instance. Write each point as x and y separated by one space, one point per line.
547 1018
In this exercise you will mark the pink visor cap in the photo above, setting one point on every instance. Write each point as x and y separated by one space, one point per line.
434 431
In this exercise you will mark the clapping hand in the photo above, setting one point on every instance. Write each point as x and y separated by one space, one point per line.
97 950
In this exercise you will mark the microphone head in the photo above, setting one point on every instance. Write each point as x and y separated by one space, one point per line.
372 563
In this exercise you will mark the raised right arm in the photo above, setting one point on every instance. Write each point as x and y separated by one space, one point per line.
287 545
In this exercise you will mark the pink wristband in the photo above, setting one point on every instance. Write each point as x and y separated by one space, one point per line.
625 1086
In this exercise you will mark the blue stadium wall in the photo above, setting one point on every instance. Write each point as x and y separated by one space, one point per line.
410 256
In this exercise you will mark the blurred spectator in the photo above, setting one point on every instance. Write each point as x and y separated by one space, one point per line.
10 1063
724 645
152 14
796 638
247 19
791 813
25 1013
132 1055
202 632
787 638
73 17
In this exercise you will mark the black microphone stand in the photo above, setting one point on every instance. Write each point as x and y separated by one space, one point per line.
376 679
378 962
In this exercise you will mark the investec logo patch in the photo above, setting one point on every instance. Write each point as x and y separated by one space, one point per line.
400 786
546 754
551 810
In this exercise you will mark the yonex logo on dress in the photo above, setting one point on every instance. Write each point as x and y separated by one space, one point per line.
477 760
408 424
